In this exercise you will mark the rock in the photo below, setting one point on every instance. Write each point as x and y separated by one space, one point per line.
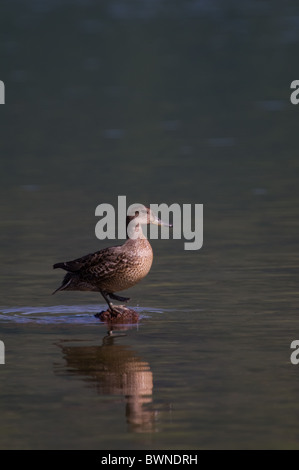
121 315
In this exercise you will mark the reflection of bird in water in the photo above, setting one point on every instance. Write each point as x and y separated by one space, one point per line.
115 268
116 370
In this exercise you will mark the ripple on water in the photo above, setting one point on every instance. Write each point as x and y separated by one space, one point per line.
79 314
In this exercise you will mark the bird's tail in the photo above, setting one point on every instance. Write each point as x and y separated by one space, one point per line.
65 283
59 265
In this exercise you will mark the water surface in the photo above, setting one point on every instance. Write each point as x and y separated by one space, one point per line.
186 103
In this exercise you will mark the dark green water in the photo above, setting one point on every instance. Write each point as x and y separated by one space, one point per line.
169 102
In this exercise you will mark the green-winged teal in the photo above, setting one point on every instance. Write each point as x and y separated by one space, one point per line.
114 268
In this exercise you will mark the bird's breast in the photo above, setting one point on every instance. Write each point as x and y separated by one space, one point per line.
135 266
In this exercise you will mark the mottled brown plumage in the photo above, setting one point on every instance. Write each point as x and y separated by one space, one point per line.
115 268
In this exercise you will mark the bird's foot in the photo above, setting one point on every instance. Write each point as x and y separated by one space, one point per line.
115 310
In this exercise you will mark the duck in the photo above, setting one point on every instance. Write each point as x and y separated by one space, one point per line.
114 268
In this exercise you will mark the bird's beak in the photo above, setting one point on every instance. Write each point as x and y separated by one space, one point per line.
158 221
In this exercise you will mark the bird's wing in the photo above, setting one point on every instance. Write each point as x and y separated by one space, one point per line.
100 263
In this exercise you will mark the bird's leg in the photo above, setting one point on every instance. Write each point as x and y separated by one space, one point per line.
118 297
105 295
